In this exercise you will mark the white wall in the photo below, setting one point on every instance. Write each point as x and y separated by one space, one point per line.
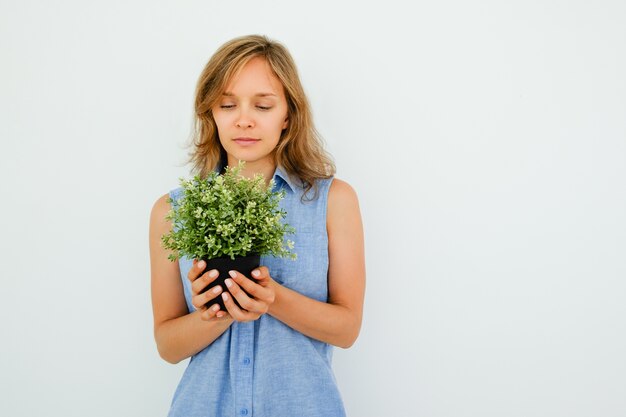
486 141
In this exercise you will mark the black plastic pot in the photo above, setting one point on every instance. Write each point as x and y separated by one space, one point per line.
242 264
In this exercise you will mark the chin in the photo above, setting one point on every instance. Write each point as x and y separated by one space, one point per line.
241 156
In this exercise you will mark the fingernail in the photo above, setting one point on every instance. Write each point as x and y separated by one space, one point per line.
228 282
232 274
256 273
224 296
216 307
217 289
201 264
213 273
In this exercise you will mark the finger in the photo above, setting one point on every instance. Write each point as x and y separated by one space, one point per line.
261 272
217 313
211 313
224 315
255 290
237 313
196 269
202 299
246 303
208 277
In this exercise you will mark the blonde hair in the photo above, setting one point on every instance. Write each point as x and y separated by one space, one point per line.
300 148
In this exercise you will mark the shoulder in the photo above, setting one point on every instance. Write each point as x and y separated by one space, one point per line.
162 203
168 200
341 193
342 199
160 209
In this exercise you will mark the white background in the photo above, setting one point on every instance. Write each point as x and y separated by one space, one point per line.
486 141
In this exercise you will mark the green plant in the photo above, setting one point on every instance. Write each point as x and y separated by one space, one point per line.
227 215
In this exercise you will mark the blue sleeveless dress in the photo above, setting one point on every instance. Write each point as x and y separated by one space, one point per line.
264 368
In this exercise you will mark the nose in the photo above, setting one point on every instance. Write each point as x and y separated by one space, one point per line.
244 120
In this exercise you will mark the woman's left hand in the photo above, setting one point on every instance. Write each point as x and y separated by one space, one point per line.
261 288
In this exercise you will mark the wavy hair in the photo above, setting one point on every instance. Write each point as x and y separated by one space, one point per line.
300 149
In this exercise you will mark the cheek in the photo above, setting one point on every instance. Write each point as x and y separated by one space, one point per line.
221 120
276 122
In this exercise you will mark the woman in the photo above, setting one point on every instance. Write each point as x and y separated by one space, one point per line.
272 357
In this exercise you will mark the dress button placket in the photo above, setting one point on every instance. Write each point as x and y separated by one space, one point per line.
245 371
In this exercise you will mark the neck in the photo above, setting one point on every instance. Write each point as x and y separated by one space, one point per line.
250 169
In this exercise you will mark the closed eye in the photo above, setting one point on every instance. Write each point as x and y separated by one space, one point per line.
230 106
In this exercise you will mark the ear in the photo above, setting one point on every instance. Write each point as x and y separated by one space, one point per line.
285 124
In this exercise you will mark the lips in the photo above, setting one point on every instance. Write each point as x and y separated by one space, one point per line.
245 141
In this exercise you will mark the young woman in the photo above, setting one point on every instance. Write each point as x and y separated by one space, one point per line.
272 357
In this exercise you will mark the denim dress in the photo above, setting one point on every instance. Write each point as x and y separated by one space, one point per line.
264 368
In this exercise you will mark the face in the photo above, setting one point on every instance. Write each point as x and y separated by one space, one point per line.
251 114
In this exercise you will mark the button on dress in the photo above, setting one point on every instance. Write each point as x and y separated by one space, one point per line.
264 368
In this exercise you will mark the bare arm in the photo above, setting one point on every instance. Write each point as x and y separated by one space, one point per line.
337 322
178 333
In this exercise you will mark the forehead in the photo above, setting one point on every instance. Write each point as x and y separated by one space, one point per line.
255 78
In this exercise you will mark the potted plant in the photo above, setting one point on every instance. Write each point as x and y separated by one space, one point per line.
228 221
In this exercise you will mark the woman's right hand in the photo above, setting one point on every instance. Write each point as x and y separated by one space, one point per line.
201 300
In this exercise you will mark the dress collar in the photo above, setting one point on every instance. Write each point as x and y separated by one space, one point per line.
280 176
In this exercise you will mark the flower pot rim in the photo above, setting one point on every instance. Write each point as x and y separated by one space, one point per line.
250 255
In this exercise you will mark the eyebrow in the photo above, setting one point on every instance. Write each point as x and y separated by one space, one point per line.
229 94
